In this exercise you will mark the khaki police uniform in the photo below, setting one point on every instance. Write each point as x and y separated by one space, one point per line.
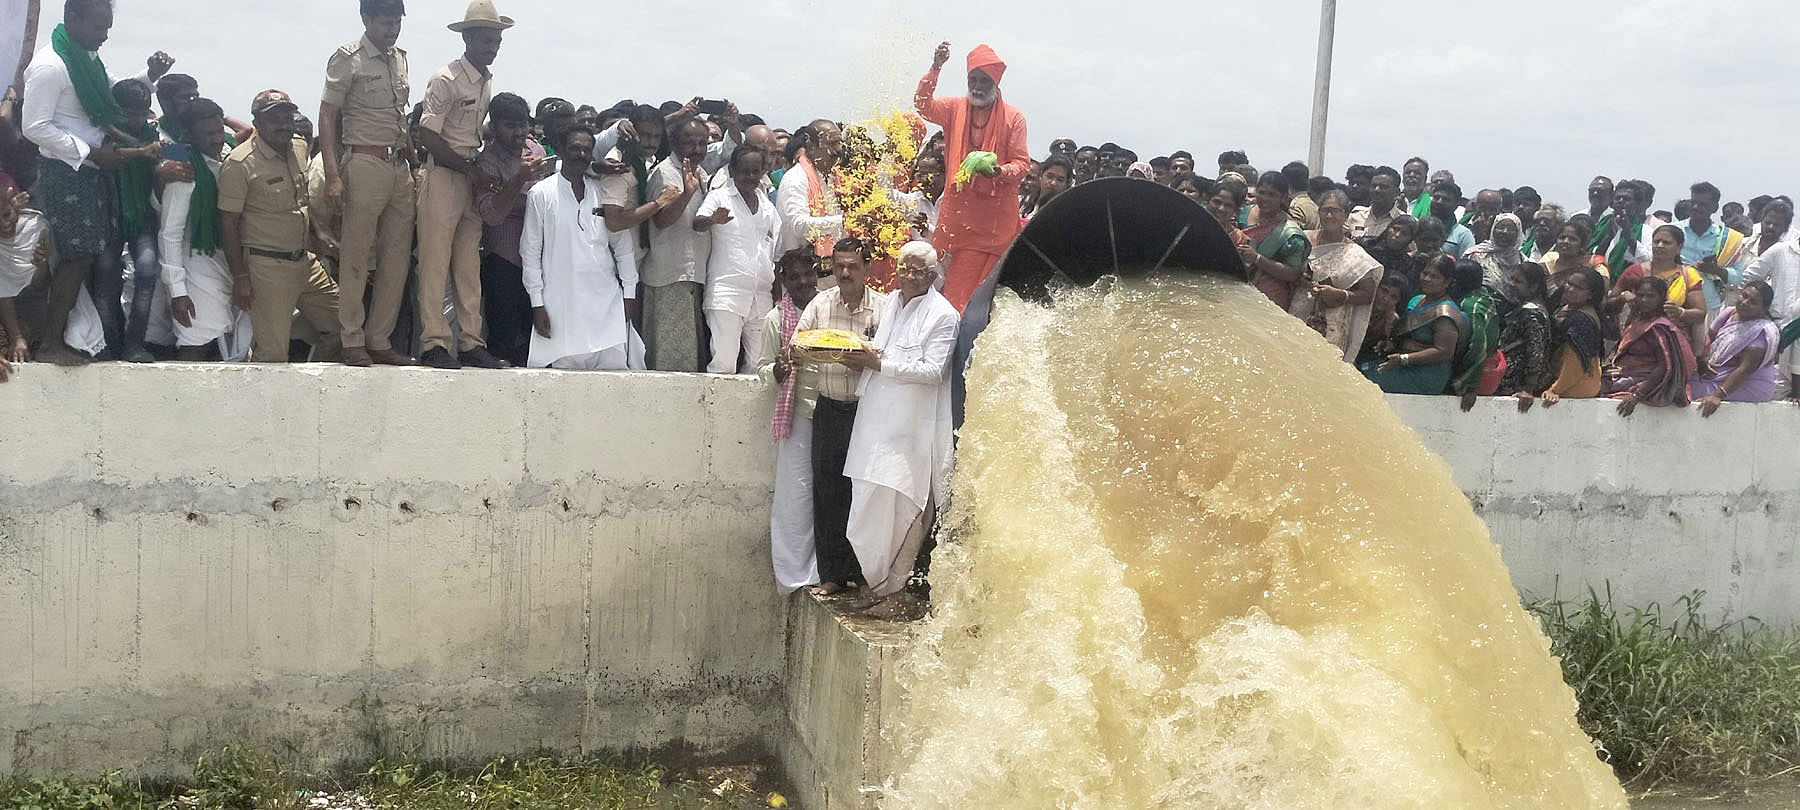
267 187
371 90
456 101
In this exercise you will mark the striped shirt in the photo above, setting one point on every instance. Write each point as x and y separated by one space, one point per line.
827 311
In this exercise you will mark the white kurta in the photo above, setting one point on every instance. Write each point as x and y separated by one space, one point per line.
899 459
740 269
798 225
203 279
577 270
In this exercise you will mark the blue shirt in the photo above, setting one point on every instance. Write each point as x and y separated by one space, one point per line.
1701 245
1459 240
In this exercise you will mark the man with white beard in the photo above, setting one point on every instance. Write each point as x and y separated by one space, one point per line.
581 277
899 459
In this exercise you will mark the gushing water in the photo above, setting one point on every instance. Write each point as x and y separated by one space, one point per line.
1199 563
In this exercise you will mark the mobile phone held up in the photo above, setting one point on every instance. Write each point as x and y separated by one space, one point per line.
175 151
711 107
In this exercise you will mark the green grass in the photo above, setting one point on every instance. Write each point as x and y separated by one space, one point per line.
1673 698
237 779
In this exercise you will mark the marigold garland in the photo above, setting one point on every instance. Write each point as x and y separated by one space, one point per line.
869 175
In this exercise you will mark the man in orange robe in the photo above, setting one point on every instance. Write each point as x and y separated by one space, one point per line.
976 220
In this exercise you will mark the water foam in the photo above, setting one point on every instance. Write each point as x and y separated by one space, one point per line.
1198 562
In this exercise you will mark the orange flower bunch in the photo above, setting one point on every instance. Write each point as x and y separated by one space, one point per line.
869 174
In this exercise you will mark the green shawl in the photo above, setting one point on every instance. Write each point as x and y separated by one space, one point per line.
203 208
1484 338
1421 207
88 76
1619 257
135 180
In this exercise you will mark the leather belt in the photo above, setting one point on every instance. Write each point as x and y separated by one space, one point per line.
287 256
383 152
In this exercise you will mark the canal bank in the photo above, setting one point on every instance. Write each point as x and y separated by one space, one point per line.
344 563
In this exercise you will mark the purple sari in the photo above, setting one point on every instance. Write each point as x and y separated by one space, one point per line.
1730 338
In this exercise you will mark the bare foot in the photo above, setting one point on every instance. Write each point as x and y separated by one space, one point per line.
826 589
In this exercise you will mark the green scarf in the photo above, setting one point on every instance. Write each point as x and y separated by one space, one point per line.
135 180
1790 333
1421 207
1529 246
1619 257
88 76
1598 237
203 208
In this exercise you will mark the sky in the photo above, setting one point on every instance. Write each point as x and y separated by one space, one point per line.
1548 93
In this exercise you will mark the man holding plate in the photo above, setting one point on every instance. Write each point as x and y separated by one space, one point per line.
853 307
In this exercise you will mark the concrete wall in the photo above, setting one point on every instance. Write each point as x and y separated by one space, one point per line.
1657 505
341 562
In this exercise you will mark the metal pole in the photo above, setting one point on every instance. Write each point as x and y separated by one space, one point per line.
1322 85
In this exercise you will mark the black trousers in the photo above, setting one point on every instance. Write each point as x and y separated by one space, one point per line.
506 309
832 422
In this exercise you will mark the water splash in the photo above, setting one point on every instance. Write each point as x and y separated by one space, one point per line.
1200 563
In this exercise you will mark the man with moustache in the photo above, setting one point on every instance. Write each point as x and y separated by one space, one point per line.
263 231
365 143
456 99
980 213
507 169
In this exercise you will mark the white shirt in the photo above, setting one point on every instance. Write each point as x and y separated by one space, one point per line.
798 225
677 253
1779 267
902 437
742 262
18 263
52 116
576 269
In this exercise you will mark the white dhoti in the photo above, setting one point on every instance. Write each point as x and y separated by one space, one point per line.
791 544
84 332
899 458
886 529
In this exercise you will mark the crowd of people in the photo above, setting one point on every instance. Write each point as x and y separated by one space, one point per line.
1430 292
140 221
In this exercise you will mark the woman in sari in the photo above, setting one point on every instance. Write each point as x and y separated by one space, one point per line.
1227 197
1479 364
1685 303
1579 346
1343 277
1569 260
1276 253
1500 253
1740 365
1433 329
1524 331
1654 362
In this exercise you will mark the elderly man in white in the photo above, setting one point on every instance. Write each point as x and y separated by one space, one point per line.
899 459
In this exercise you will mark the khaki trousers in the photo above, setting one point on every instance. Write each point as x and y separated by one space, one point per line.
449 249
378 225
278 287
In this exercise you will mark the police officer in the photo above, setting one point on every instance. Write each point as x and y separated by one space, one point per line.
362 124
263 224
